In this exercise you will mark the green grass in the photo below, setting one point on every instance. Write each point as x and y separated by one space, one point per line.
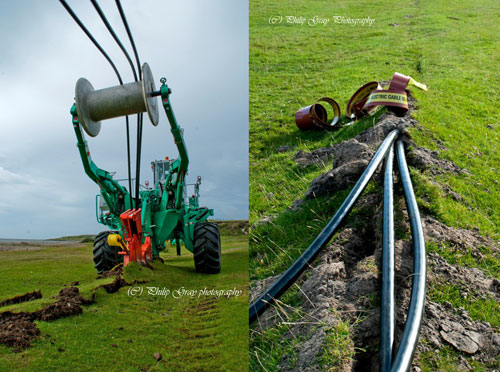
192 334
340 348
489 261
446 359
291 66
268 348
485 309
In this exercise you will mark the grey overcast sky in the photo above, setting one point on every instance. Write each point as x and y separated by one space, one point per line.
200 46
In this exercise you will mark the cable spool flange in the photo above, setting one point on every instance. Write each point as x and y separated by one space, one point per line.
93 106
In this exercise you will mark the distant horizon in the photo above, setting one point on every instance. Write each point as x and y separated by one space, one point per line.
2 239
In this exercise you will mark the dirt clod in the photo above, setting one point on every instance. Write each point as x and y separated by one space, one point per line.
316 157
68 303
285 148
423 159
452 326
460 238
17 333
30 296
115 285
17 329
350 158
337 179
115 271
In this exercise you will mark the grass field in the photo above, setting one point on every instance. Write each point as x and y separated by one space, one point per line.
192 333
450 46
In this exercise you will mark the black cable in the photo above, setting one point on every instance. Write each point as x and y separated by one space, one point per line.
113 34
128 163
138 160
94 41
387 320
409 338
125 23
89 35
290 276
139 116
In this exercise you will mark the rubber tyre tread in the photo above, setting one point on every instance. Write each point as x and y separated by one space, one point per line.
105 256
206 248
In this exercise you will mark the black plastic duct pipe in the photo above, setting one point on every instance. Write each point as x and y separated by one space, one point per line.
387 312
291 275
411 331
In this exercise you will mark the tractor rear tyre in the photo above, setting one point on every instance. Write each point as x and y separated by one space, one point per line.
105 256
206 248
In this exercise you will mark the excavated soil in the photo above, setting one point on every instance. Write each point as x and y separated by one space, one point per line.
18 329
116 284
115 271
345 284
30 296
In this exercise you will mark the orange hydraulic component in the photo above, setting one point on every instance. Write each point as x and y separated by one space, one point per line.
146 249
132 227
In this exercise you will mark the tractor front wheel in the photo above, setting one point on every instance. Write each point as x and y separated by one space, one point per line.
206 248
105 256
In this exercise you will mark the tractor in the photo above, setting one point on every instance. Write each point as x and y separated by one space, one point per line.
141 226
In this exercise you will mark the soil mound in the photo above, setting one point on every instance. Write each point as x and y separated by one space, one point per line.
30 296
18 329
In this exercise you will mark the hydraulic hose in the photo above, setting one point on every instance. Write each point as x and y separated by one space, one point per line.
387 311
291 275
411 330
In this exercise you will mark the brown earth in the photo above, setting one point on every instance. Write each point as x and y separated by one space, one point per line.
22 298
18 329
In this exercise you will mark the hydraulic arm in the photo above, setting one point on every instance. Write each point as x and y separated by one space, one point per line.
180 166
115 195
162 213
